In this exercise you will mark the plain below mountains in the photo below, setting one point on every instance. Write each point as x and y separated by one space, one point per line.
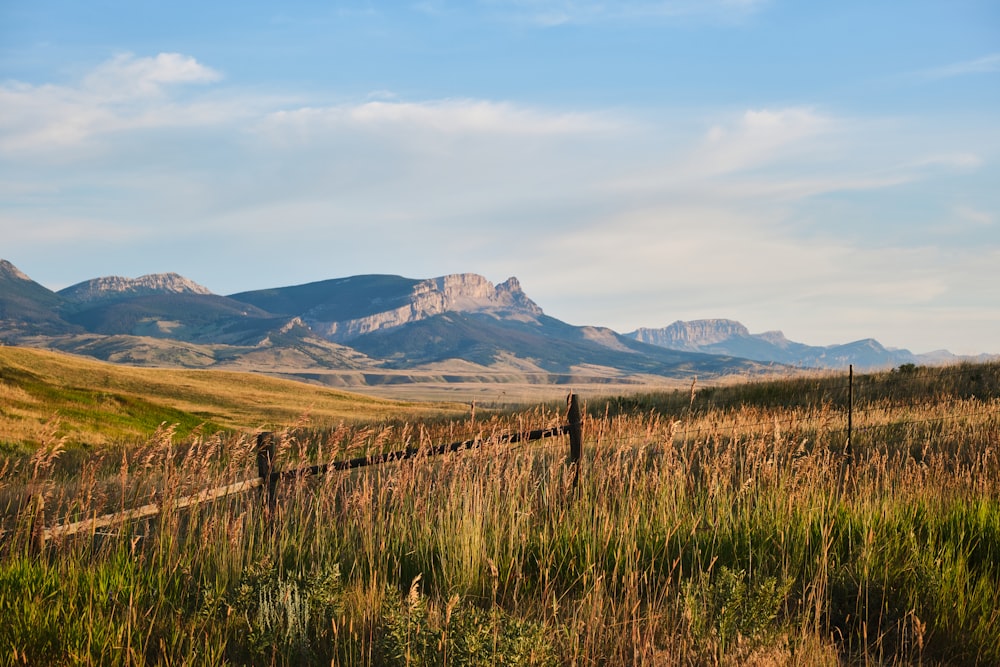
379 329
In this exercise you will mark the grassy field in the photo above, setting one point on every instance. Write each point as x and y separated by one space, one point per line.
49 396
718 525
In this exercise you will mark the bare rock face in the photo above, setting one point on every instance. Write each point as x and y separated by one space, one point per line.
116 287
692 335
461 292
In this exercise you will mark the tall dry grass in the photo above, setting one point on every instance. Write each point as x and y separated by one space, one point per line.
709 534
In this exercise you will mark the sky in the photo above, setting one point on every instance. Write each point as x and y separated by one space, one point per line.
829 169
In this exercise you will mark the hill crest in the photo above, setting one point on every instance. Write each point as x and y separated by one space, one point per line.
116 287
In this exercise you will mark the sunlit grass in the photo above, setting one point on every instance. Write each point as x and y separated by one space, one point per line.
90 403
729 534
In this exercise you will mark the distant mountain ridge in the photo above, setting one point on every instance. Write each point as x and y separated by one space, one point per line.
721 336
116 287
380 328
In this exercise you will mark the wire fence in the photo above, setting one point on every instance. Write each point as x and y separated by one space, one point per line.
269 476
860 403
836 407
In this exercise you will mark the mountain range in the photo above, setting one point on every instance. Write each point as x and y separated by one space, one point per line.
378 329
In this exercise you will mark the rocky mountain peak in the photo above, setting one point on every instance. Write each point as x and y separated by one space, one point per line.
114 287
693 334
512 285
774 337
471 292
457 292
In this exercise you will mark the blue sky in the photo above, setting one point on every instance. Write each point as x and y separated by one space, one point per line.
828 169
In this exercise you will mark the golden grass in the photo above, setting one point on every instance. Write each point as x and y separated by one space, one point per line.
710 531
92 402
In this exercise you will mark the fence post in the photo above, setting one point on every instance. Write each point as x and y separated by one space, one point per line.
849 449
848 458
265 462
575 436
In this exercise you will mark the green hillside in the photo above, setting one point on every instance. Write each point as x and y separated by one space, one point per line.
48 396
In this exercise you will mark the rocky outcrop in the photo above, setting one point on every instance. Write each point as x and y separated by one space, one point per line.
693 335
461 292
117 287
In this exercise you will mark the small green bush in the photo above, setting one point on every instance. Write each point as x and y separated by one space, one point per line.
732 606
415 634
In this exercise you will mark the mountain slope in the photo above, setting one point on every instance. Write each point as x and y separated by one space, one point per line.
332 300
547 343
194 317
26 307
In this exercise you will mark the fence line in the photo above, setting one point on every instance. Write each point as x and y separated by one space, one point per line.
851 409
790 421
151 509
268 477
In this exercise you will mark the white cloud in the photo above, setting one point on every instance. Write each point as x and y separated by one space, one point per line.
643 221
779 153
704 261
762 136
122 94
444 116
126 76
782 155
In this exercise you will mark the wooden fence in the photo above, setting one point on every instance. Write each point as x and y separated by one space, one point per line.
268 478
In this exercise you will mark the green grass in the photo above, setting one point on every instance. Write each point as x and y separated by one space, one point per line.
703 533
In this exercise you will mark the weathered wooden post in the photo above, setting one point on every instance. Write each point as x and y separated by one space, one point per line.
575 436
265 463
849 450
848 457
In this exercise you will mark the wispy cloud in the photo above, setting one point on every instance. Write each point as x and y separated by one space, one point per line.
762 136
976 216
963 160
699 221
442 116
129 93
126 92
985 65
559 12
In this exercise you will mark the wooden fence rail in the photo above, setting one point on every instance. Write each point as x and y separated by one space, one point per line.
151 509
268 478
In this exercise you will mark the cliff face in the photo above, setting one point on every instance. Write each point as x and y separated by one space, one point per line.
115 287
462 292
692 335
